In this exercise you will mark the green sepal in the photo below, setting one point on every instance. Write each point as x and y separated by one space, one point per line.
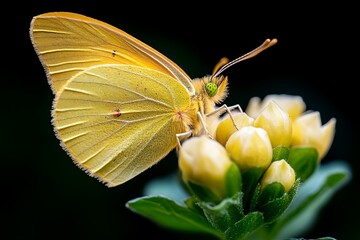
275 208
280 153
304 161
269 193
202 192
224 214
250 179
233 181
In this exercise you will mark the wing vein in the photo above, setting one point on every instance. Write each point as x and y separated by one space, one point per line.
128 90
139 150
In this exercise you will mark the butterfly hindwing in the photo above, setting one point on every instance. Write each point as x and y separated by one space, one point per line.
115 121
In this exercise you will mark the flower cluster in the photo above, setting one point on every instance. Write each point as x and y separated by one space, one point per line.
251 175
273 143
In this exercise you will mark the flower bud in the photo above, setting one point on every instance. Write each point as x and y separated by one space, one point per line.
281 172
308 131
293 105
250 147
226 126
205 162
276 123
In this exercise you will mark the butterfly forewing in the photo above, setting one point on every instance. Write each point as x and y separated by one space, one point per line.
68 43
116 121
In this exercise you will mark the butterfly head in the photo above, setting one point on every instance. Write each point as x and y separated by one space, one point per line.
210 91
215 88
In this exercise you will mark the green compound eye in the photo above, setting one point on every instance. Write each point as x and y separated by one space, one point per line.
211 89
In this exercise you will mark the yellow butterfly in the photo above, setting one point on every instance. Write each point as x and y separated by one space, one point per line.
119 105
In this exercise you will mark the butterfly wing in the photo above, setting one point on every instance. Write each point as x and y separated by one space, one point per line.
116 121
68 43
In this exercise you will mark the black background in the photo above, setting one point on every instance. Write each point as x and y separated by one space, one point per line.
44 195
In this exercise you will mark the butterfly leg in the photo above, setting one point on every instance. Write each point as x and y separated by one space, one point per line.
206 131
181 136
228 110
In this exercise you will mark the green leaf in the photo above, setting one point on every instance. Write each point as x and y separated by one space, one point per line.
304 161
233 180
245 227
169 214
224 214
311 197
192 203
280 153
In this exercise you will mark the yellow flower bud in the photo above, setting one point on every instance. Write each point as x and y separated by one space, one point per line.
293 105
250 147
276 123
281 172
205 162
226 126
309 131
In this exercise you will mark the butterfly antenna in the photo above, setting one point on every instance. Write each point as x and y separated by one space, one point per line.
265 45
221 63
